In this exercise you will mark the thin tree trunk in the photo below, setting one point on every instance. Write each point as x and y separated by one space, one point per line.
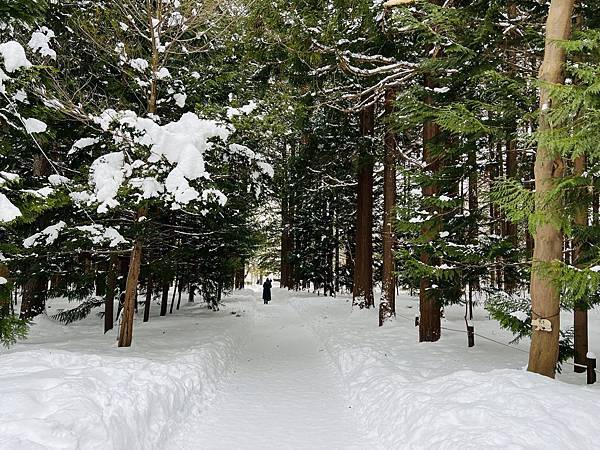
240 275
387 306
164 301
595 204
173 297
5 293
35 289
126 330
499 221
473 212
148 302
579 248
180 290
429 307
101 274
111 289
337 257
291 278
191 290
549 168
285 230
33 302
580 324
510 228
362 294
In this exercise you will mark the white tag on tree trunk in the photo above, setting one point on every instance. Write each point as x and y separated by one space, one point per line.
541 325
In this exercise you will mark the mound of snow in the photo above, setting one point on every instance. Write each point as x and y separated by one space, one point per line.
96 396
65 400
412 395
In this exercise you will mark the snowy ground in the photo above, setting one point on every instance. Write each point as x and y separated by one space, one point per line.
302 372
70 387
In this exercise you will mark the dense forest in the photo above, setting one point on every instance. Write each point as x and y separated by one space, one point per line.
154 150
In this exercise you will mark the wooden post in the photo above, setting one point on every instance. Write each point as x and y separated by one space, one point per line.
471 335
591 368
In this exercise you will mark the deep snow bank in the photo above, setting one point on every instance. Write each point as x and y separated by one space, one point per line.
109 398
414 395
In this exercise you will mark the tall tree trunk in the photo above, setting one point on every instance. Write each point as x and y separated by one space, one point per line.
179 291
191 290
499 217
35 288
337 256
595 203
285 226
473 212
580 312
126 330
111 289
362 294
33 300
101 274
5 293
510 228
291 278
173 296
148 302
164 301
240 275
549 168
387 305
429 306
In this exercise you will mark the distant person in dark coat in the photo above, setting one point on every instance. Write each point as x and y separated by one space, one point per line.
267 291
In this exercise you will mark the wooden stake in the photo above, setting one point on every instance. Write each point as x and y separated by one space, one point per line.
591 368
471 335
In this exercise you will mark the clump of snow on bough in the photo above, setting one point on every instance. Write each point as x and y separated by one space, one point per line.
181 145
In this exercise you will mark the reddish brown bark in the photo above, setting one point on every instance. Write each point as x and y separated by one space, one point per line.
164 301
34 297
362 293
387 305
286 231
510 228
580 312
429 306
126 330
111 289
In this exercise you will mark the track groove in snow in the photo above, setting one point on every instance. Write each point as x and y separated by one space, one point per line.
285 393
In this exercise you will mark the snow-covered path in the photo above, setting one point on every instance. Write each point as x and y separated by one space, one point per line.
284 393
